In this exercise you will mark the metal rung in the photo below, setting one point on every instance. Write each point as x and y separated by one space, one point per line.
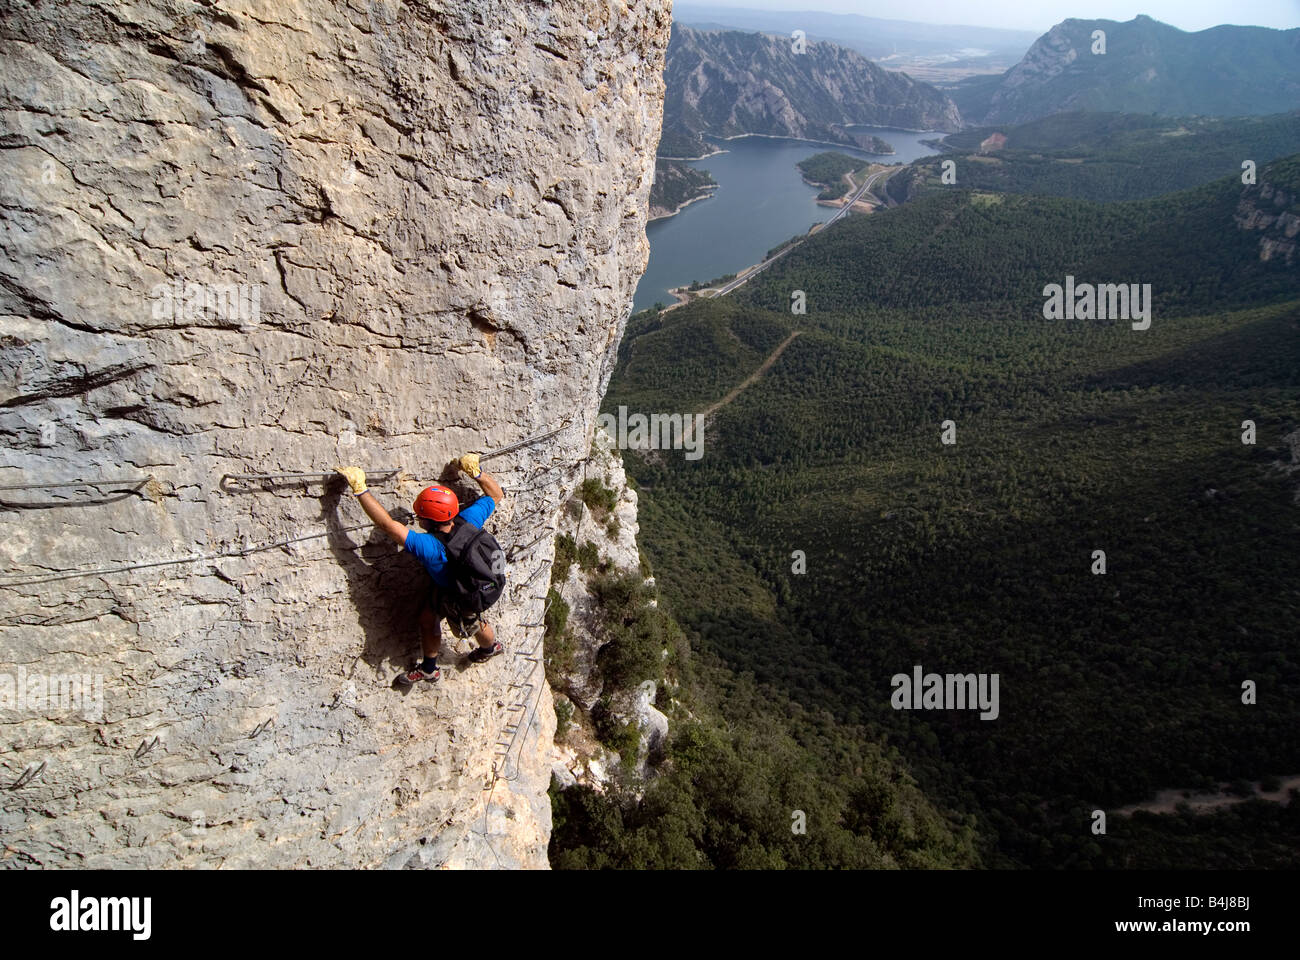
518 550
530 580
525 442
33 771
329 475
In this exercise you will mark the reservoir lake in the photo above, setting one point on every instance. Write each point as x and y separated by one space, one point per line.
761 201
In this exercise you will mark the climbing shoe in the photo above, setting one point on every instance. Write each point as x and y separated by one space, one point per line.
480 654
416 674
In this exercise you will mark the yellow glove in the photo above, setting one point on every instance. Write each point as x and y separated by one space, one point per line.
356 478
469 463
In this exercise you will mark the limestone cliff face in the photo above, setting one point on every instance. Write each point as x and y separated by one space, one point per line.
272 237
611 534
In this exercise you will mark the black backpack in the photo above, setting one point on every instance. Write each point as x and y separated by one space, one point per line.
477 569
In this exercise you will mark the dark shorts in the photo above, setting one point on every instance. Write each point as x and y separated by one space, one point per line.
463 625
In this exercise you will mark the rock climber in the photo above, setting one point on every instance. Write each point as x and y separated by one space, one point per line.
465 562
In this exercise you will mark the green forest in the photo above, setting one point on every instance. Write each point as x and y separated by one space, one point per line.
828 170
676 183
977 556
1105 156
682 144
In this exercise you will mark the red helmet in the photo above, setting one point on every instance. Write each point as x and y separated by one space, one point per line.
437 503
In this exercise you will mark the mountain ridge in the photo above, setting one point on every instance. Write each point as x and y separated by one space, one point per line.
729 83
1147 67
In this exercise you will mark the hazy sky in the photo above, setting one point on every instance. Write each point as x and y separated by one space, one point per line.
1038 15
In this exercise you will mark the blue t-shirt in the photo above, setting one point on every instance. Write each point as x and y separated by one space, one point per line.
429 550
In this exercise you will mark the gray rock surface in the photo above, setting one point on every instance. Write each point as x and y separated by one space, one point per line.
259 238
615 537
1275 214
582 682
730 83
651 722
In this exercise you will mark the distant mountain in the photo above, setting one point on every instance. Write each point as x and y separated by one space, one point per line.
1148 67
900 44
728 83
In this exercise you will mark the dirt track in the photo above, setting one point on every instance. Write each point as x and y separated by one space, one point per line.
762 369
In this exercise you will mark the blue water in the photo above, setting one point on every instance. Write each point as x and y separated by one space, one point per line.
761 202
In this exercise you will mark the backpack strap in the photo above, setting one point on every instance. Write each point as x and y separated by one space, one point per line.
456 523
461 537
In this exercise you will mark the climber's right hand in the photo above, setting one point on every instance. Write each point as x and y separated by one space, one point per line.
469 463
356 478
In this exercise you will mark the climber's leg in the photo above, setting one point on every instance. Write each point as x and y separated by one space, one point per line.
488 647
430 642
430 630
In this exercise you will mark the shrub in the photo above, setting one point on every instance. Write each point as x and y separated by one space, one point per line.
626 741
563 716
620 597
1241 788
557 614
559 644
565 553
559 660
636 632
599 498
663 698
621 736
588 556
